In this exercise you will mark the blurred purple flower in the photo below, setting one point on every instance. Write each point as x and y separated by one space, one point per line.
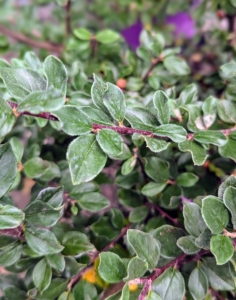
131 34
183 23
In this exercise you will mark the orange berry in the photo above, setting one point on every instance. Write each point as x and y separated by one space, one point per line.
121 83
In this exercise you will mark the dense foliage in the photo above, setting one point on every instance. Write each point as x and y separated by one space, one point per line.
127 153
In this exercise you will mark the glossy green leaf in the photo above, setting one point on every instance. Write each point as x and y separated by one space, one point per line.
152 296
11 292
7 118
210 137
209 108
86 159
52 196
110 142
229 181
114 100
76 243
168 235
73 120
21 82
144 53
138 214
175 132
198 153
10 254
84 290
56 74
198 284
42 241
228 150
93 202
42 214
187 244
203 241
145 246
117 218
187 179
152 164
222 248
66 296
8 167
57 286
188 95
156 145
160 101
176 65
136 268
37 168
42 275
82 34
219 277
214 214
32 60
154 81
10 216
111 268
17 148
83 188
152 189
56 261
128 165
96 116
193 221
140 118
97 91
227 111
229 201
195 120
40 101
107 36
169 285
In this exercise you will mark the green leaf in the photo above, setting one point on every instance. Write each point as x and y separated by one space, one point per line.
32 60
84 290
229 201
227 111
140 118
228 150
52 196
102 227
66 296
21 82
83 188
210 137
56 74
220 277
169 285
11 292
198 153
230 181
198 284
156 145
7 118
10 216
82 34
73 120
42 214
152 296
145 246
176 65
42 241
168 235
160 101
154 81
8 167
57 286
209 107
187 179
86 159
229 69
117 219
136 268
222 248
10 254
193 221
56 261
110 142
40 101
152 189
187 244
76 243
42 275
93 202
36 167
17 148
203 241
114 100
175 132
152 164
128 165
97 91
107 36
144 53
138 214
195 121
188 95
111 268
214 214
96 115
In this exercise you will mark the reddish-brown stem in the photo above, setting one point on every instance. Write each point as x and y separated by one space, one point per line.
14 232
33 43
145 290
68 19
216 294
164 214
153 65
77 277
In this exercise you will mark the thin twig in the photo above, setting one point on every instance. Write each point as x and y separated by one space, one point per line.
33 43
68 17
77 277
145 290
153 65
215 293
14 232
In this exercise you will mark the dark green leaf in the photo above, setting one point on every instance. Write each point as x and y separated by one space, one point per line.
17 148
138 214
42 275
93 202
76 243
12 293
187 179
227 111
52 196
86 159
203 241
229 201
96 116
210 137
111 268
57 286
7 118
152 189
56 261
175 132
84 290
128 165
188 95
222 248
140 118
10 254
197 151
187 244
110 142
198 284
136 268
228 150
10 216
176 65
230 181
156 145
157 169
160 101
97 91
214 214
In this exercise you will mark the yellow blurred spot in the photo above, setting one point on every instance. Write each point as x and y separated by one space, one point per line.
148 26
133 287
90 275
